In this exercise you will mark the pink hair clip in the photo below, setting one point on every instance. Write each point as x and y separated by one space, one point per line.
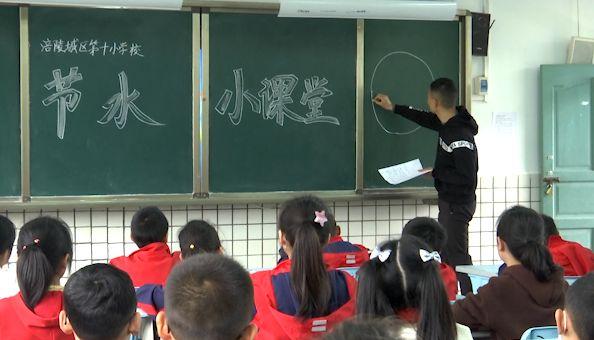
321 218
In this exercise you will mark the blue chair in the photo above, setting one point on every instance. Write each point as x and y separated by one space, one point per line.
146 329
539 333
350 270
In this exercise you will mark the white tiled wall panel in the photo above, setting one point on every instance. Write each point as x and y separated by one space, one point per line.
248 232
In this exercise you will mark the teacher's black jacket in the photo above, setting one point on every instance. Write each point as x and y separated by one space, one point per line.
456 161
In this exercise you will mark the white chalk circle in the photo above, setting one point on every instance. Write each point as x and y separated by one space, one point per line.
371 91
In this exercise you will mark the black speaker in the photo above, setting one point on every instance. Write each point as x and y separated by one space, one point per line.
480 33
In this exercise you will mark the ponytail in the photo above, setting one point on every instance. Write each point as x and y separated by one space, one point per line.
436 319
42 246
198 237
372 301
308 272
537 258
523 231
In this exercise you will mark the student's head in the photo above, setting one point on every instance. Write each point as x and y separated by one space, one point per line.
442 95
208 296
198 237
149 225
100 304
404 274
520 240
303 230
576 322
550 226
376 329
7 236
44 250
428 230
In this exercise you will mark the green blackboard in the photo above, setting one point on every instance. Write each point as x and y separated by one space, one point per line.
282 103
401 59
10 136
111 102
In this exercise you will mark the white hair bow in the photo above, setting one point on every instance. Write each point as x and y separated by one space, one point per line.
428 256
382 255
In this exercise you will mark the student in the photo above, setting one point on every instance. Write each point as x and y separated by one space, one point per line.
434 234
402 278
528 291
9 286
7 236
576 321
575 259
196 237
99 303
209 296
301 297
456 165
153 261
338 253
376 329
44 250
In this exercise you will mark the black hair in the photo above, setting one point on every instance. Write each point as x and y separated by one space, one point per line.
522 229
550 226
428 230
42 244
209 296
100 302
445 91
7 235
579 303
404 281
309 277
149 225
198 237
375 329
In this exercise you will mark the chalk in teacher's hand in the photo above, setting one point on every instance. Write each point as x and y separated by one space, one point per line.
383 101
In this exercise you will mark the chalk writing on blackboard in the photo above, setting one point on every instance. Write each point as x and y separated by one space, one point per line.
373 90
120 103
66 97
91 47
274 98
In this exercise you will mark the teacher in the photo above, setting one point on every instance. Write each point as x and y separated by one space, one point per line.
456 165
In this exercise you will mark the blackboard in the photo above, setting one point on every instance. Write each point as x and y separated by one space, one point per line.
293 126
124 81
401 60
10 136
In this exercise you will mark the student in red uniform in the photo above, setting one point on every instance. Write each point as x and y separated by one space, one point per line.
44 250
434 234
576 320
153 261
575 259
7 236
403 279
99 303
196 237
209 296
376 329
338 253
527 292
301 298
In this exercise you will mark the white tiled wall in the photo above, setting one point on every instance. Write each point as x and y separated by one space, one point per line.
248 232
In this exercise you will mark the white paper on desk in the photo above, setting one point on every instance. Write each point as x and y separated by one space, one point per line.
400 173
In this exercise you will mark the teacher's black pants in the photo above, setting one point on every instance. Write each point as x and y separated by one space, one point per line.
456 218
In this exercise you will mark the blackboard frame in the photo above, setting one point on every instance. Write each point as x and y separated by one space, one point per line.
201 194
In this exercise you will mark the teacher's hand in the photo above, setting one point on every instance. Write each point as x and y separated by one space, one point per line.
384 102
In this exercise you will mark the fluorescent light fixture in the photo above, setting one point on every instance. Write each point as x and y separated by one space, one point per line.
370 9
138 4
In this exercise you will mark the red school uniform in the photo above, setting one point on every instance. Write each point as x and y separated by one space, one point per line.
575 259
17 321
339 253
150 264
276 305
450 281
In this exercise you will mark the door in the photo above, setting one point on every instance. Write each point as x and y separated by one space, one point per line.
567 92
